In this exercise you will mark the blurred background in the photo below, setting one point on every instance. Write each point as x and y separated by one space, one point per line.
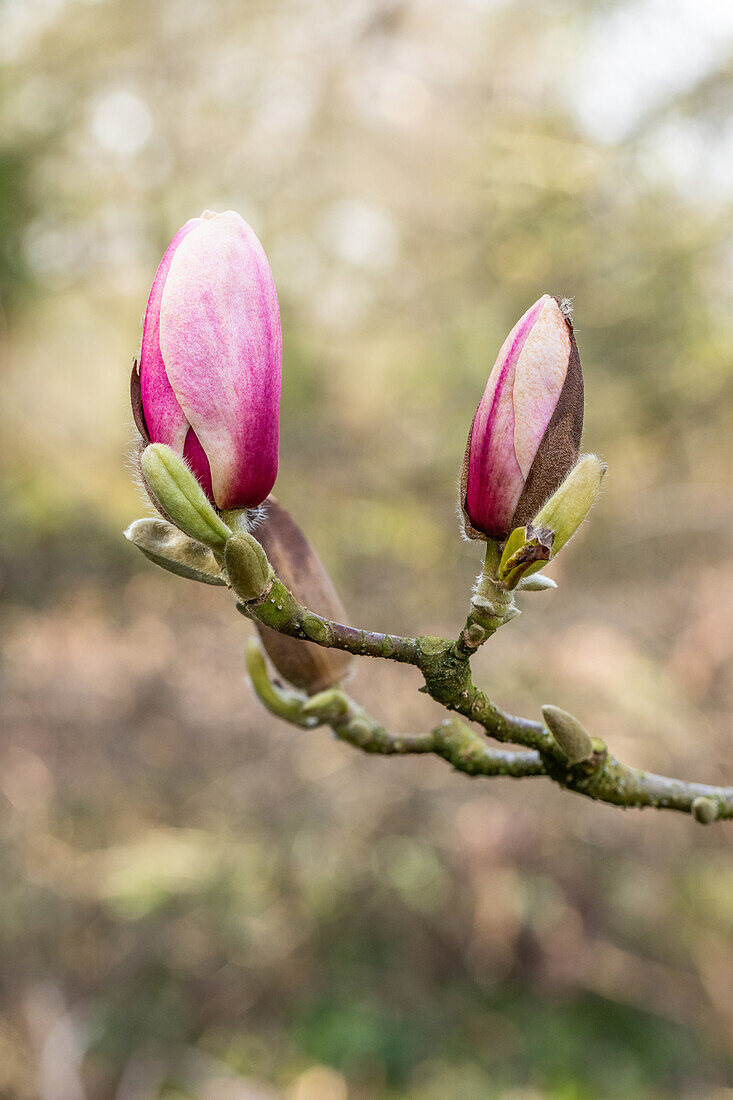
197 901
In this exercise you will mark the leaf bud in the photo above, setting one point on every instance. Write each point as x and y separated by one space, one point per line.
705 810
571 737
166 546
176 489
570 504
248 569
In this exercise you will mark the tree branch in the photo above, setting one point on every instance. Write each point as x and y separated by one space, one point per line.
452 740
445 667
279 609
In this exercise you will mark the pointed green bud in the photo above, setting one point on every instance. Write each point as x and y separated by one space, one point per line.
567 508
285 704
705 810
169 548
572 739
538 583
184 502
328 704
248 569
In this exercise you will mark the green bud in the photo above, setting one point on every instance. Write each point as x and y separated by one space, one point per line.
572 739
538 583
180 496
705 810
328 704
169 548
248 569
567 508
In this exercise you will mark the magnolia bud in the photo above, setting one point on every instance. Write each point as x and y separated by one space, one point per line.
304 664
705 810
247 567
169 548
181 497
571 737
211 359
526 433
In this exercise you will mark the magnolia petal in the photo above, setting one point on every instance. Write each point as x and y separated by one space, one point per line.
495 478
221 343
195 456
539 377
164 417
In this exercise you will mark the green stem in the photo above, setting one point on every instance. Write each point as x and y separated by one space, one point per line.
445 667
280 610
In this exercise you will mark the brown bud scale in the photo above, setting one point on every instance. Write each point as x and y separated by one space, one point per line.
303 664
558 452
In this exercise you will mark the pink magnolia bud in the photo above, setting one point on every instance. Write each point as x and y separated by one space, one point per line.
211 359
526 433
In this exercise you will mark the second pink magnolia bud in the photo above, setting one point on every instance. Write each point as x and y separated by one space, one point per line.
211 359
525 436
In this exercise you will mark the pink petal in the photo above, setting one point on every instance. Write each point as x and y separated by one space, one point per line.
495 478
539 377
196 458
165 419
222 347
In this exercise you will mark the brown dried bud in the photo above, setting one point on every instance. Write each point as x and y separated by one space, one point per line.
307 666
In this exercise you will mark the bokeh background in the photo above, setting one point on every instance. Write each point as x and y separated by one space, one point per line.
196 901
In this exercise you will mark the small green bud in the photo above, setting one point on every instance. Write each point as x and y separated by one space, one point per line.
705 810
328 704
567 508
169 548
248 569
315 628
571 737
180 496
538 583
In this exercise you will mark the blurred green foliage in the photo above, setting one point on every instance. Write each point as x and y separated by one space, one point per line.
194 900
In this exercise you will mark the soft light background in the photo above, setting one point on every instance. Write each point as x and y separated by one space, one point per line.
196 901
